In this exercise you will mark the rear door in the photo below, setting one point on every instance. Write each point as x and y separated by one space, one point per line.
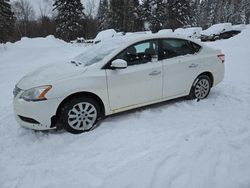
180 66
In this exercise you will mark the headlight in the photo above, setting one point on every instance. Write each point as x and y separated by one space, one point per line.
35 94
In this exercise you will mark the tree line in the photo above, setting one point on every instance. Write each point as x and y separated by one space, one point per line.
71 19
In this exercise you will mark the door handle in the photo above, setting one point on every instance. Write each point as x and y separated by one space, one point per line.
155 73
193 65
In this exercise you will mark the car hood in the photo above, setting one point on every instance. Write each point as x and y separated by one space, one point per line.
49 74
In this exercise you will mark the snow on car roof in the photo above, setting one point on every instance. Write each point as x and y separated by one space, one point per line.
217 29
120 42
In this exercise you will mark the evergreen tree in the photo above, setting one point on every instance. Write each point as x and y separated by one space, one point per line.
69 19
6 21
195 12
208 12
132 21
244 15
124 15
179 13
233 11
145 12
246 5
103 15
116 14
155 13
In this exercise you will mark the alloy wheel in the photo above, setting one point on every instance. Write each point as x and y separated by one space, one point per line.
82 116
202 89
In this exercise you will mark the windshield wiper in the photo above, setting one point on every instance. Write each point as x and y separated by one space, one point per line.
75 63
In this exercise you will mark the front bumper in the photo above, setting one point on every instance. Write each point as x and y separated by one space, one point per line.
38 127
35 115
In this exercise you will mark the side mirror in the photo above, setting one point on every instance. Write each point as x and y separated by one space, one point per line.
119 64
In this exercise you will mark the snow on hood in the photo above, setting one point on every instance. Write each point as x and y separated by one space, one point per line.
49 74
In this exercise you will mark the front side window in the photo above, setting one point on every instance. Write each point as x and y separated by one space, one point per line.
140 53
176 47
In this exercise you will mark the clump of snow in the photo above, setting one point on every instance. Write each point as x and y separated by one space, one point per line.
106 34
165 31
177 144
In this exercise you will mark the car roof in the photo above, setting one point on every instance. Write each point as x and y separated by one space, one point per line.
119 43
127 40
115 45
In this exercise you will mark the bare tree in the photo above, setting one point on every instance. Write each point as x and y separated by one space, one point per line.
90 8
45 9
23 10
24 14
45 22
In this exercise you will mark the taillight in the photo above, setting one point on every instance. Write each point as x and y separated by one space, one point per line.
222 57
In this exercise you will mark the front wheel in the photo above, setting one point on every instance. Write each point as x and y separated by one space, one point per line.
201 88
80 115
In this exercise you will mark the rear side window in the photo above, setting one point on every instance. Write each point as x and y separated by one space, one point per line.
195 46
177 47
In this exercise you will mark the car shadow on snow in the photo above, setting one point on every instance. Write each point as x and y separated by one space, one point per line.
152 107
125 114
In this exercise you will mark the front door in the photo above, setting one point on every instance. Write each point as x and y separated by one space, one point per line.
141 81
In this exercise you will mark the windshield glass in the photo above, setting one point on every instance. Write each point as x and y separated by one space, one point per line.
96 53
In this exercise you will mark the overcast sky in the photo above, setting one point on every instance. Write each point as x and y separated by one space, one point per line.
46 6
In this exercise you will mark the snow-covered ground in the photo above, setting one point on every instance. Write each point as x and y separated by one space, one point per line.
178 144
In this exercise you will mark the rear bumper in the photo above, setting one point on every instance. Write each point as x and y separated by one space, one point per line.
35 115
219 75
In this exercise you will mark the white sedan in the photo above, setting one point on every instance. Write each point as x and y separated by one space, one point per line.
114 76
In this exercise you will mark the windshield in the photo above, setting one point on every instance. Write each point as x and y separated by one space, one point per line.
96 53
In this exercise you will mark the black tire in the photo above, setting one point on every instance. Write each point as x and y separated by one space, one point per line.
198 88
69 110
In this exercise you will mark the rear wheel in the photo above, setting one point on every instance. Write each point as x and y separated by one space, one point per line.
80 115
201 88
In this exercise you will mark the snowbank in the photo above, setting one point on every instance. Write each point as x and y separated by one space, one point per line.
194 32
49 41
177 144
